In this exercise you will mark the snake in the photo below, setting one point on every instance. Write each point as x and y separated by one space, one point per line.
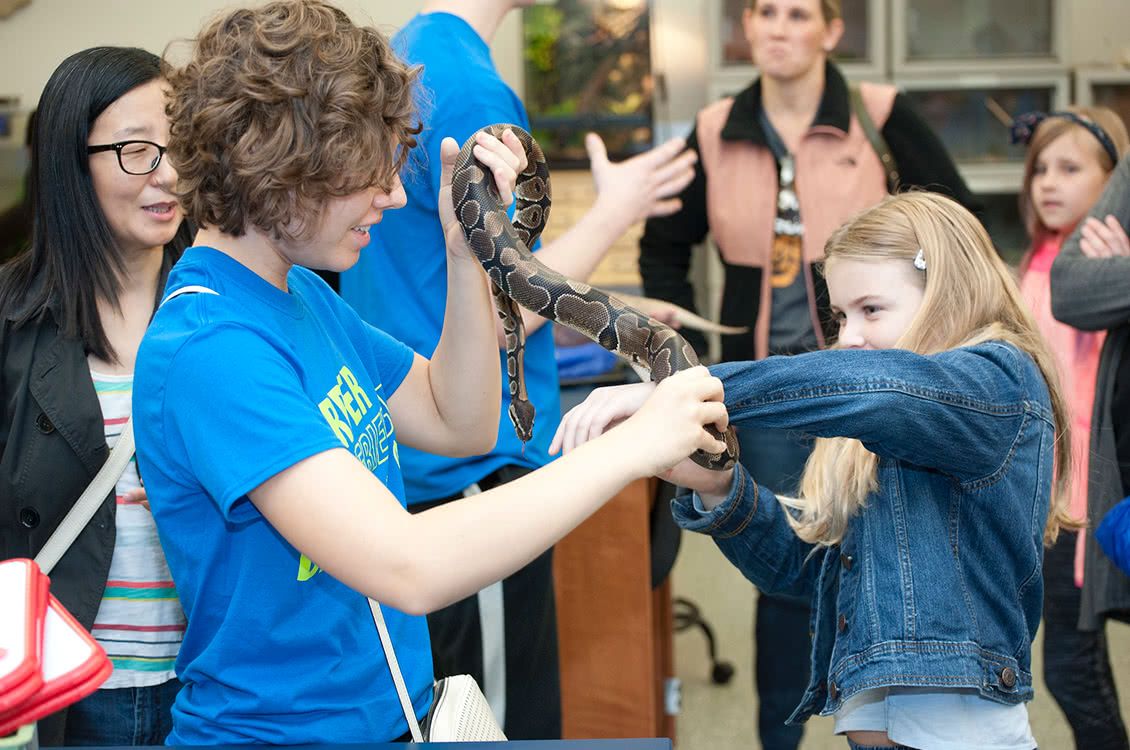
519 279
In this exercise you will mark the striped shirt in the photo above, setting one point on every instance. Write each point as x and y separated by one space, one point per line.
140 622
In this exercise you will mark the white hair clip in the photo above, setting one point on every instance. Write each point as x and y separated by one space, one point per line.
920 261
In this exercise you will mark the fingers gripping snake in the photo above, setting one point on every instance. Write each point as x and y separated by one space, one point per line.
519 278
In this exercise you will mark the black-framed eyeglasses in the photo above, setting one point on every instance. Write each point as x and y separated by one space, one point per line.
134 157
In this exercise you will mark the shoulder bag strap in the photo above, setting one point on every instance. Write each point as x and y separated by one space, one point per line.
86 506
91 498
875 138
394 668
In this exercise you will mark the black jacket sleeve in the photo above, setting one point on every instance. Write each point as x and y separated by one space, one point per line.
665 248
922 159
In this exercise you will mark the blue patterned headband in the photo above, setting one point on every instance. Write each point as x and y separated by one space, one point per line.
1024 127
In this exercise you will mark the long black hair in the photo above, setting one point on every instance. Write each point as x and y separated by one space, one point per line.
73 258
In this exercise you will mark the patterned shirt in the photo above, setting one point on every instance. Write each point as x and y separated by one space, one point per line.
140 622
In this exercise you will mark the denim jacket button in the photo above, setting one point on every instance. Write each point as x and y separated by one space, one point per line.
833 691
846 560
841 623
1008 677
44 424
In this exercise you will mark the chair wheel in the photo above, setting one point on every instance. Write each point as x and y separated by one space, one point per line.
722 672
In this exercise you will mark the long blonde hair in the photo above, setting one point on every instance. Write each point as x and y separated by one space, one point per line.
970 297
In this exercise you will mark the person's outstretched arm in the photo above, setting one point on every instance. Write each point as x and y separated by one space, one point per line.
1090 278
957 411
332 509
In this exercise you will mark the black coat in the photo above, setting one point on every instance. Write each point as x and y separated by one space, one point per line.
52 442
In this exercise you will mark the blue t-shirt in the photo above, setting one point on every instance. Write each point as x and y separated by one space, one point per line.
400 282
229 390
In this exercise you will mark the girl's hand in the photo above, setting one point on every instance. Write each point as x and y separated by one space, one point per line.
1103 239
603 409
669 425
504 159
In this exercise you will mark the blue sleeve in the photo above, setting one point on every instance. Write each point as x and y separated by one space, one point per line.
391 357
235 414
750 529
1113 535
959 411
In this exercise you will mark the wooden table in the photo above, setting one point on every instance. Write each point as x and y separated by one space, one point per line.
614 631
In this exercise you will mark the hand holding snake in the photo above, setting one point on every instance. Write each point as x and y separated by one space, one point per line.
519 278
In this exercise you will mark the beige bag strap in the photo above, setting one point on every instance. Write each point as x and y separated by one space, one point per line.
88 502
394 668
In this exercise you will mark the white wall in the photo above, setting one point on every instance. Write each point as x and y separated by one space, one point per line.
36 38
1099 32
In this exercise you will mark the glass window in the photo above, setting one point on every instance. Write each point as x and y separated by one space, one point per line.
1113 95
588 67
958 29
852 46
1002 217
974 123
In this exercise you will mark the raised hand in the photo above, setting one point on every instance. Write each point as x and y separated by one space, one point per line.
504 158
1103 239
644 185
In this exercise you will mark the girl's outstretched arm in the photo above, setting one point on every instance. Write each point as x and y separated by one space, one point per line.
958 411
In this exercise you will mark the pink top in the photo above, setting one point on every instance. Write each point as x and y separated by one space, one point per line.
1077 356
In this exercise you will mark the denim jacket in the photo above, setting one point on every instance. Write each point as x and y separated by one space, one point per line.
937 581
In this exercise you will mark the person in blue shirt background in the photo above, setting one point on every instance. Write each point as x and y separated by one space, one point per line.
505 635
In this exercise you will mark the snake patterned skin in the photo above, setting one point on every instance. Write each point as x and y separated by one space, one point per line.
519 278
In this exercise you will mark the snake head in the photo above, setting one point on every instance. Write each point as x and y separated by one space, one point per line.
522 417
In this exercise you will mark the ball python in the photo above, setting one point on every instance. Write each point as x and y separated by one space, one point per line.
519 278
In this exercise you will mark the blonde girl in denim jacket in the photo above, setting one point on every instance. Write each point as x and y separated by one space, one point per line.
941 471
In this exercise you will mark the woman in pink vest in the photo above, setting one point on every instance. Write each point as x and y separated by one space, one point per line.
782 164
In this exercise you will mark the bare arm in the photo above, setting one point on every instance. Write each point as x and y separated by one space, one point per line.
627 192
346 521
451 404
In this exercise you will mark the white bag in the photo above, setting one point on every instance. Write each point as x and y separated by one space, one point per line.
459 712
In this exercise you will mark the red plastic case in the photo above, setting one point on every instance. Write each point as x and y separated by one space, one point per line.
71 664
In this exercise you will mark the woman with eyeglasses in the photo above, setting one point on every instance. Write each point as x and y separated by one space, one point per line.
106 229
